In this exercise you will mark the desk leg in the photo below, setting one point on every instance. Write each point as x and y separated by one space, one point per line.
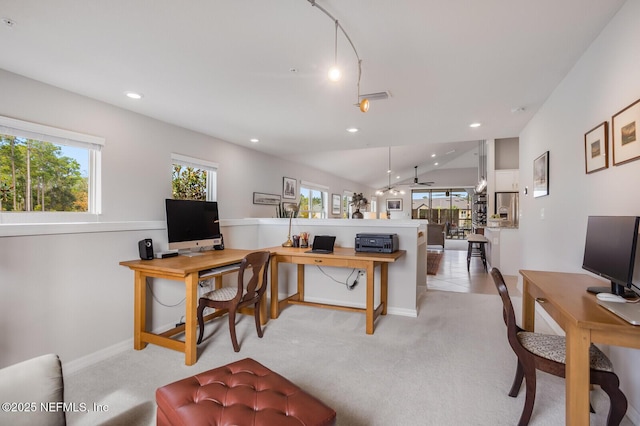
528 307
190 348
301 283
370 296
139 310
274 288
577 375
384 285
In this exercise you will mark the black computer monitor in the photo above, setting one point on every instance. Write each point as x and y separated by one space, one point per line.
192 224
610 252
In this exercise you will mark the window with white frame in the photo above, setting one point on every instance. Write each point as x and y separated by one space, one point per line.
193 178
45 170
347 207
314 201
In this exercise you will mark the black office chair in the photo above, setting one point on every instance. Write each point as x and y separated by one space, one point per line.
547 353
231 299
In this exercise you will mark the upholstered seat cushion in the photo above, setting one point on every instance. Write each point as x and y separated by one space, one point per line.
554 348
241 393
221 294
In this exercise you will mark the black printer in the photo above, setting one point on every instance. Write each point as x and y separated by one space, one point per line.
376 243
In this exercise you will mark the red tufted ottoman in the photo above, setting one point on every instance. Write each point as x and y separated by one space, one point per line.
241 393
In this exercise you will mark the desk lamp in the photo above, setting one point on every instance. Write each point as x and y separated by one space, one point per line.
291 208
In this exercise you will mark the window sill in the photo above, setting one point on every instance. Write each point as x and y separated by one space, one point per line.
31 229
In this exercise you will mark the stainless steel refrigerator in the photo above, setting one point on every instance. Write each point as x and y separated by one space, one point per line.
507 208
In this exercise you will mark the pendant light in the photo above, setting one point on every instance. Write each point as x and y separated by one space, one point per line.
334 72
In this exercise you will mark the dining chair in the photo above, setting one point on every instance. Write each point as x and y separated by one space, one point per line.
536 351
254 267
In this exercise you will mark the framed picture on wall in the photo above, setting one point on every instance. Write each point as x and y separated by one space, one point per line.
541 175
335 204
289 188
262 198
596 148
394 204
624 134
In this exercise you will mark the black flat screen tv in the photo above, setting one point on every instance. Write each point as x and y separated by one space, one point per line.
192 225
610 251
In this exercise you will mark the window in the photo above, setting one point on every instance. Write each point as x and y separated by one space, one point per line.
314 201
193 179
46 170
451 207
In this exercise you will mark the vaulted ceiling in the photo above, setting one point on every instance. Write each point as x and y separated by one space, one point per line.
244 69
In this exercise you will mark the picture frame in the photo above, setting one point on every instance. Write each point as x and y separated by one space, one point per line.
596 148
394 204
541 175
336 204
289 188
625 127
264 198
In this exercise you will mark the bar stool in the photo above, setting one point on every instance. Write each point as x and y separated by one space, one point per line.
476 248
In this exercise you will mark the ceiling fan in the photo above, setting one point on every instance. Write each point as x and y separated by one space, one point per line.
415 179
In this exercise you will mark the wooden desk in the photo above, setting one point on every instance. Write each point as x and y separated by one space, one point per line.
341 257
181 268
564 297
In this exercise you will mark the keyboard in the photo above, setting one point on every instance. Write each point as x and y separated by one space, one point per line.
217 271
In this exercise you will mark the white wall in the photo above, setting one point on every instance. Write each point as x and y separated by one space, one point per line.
65 292
603 82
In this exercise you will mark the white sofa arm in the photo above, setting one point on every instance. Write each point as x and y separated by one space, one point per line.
33 382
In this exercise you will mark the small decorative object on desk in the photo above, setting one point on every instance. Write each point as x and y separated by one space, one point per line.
358 201
296 241
304 239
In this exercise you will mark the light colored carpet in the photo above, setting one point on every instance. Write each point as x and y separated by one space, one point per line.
449 366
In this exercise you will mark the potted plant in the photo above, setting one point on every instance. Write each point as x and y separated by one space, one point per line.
358 201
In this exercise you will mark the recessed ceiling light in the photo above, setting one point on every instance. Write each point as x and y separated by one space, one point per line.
398 177
134 95
254 140
353 130
435 164
475 125
433 155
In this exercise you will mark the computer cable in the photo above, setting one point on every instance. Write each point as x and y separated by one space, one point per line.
346 282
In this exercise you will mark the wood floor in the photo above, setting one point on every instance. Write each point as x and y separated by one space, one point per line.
453 275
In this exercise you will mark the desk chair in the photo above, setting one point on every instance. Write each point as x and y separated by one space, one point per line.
547 353
231 299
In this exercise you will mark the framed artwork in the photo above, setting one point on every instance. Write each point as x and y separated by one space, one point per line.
262 198
541 175
289 188
596 148
335 203
624 134
394 204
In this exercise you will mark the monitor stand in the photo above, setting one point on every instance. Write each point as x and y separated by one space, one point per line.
614 289
189 253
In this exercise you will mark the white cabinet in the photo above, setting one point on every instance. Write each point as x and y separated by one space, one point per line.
507 180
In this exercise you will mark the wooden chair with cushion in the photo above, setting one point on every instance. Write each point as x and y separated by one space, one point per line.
547 353
231 299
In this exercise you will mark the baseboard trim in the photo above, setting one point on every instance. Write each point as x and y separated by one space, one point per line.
77 365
